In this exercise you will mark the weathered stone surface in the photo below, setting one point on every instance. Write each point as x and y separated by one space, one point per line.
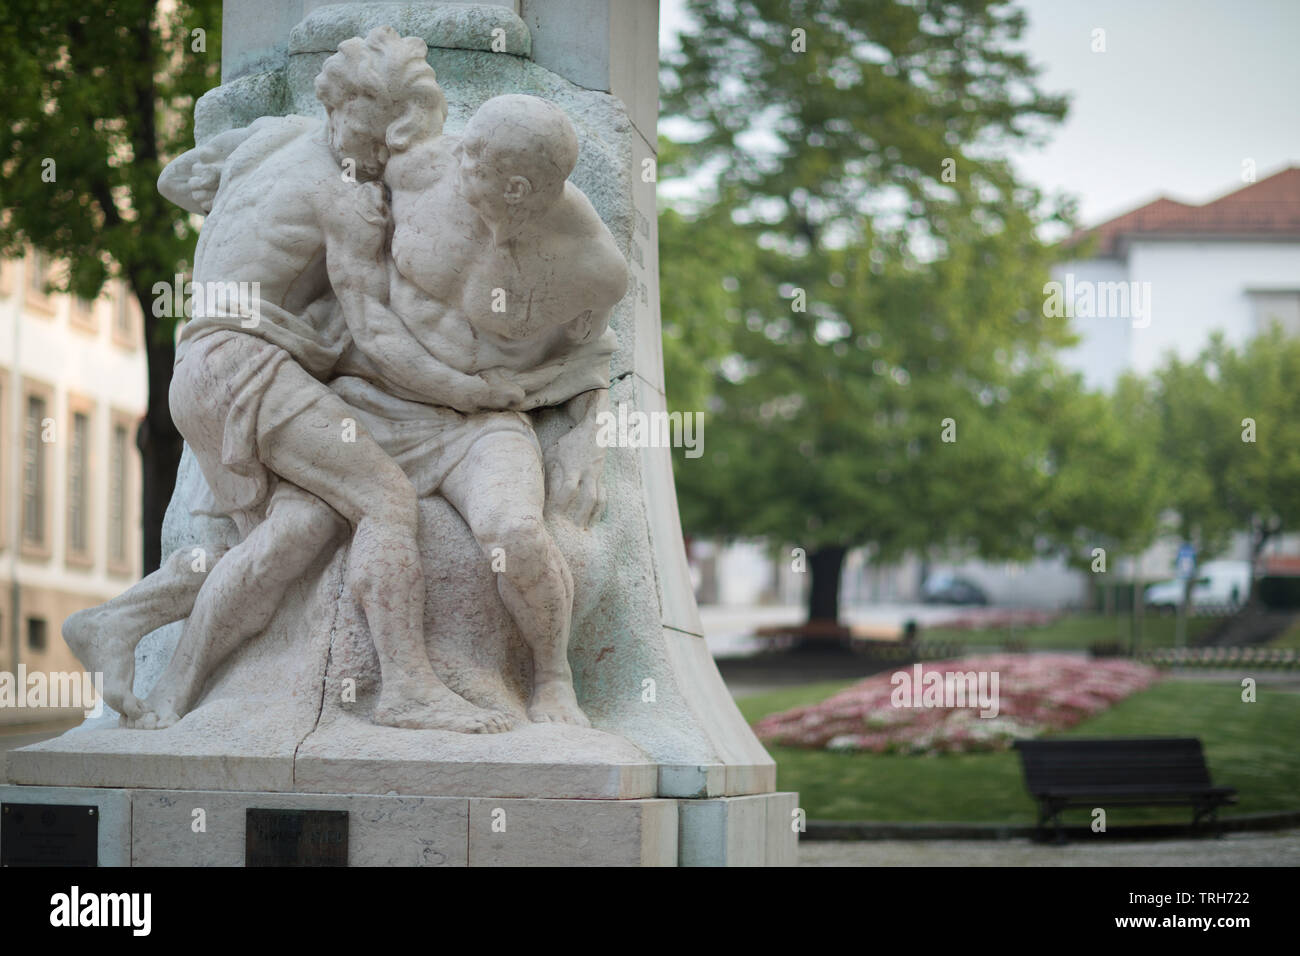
382 831
739 831
572 833
162 828
457 26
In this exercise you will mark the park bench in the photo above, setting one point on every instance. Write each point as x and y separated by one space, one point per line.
1122 771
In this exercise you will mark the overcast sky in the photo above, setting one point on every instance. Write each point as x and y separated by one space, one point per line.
1185 91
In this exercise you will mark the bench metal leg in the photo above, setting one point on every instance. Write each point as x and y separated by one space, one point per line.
1050 812
1210 814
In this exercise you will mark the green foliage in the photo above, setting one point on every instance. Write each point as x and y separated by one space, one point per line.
863 269
1109 484
1262 486
881 95
1219 481
1199 443
105 89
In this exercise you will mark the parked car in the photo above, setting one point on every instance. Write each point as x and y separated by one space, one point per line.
1218 584
950 589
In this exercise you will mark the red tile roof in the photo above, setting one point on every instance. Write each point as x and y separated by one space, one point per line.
1268 208
1281 565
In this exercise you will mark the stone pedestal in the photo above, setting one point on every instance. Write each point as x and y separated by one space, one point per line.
207 828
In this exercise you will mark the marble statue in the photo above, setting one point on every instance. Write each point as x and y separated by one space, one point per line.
417 296
406 581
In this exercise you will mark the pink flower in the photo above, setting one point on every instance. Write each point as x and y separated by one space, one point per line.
1035 694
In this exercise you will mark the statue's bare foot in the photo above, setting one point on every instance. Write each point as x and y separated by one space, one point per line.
103 648
166 704
554 702
435 708
151 719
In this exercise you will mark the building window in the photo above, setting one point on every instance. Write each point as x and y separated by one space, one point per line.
78 468
37 634
117 497
1276 307
34 472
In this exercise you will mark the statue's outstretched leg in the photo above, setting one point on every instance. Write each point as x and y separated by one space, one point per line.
104 637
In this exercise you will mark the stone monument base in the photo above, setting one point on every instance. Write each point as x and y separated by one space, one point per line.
139 827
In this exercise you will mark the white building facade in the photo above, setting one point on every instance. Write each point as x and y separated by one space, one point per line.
1231 266
72 393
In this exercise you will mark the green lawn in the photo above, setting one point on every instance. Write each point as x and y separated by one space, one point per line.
1076 632
1253 747
1288 638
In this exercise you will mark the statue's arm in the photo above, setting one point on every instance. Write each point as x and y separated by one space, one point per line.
191 179
575 463
356 256
400 359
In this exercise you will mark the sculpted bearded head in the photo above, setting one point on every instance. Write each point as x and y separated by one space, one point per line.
380 96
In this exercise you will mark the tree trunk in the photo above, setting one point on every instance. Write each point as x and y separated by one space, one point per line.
1139 609
826 564
1261 538
157 438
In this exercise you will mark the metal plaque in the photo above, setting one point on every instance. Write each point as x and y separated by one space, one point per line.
49 834
296 838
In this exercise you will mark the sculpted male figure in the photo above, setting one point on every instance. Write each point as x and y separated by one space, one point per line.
247 394
484 223
497 262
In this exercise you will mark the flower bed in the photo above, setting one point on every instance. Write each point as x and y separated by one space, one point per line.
1032 694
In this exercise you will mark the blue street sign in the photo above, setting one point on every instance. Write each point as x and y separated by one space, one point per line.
1186 561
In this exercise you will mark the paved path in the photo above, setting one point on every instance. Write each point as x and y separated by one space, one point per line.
1276 848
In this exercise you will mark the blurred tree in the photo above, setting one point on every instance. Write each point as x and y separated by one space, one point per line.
1199 438
105 89
1256 444
876 272
1200 441
1109 486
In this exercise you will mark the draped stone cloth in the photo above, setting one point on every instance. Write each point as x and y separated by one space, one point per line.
233 386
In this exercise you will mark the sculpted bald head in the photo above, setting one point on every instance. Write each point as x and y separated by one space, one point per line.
515 156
